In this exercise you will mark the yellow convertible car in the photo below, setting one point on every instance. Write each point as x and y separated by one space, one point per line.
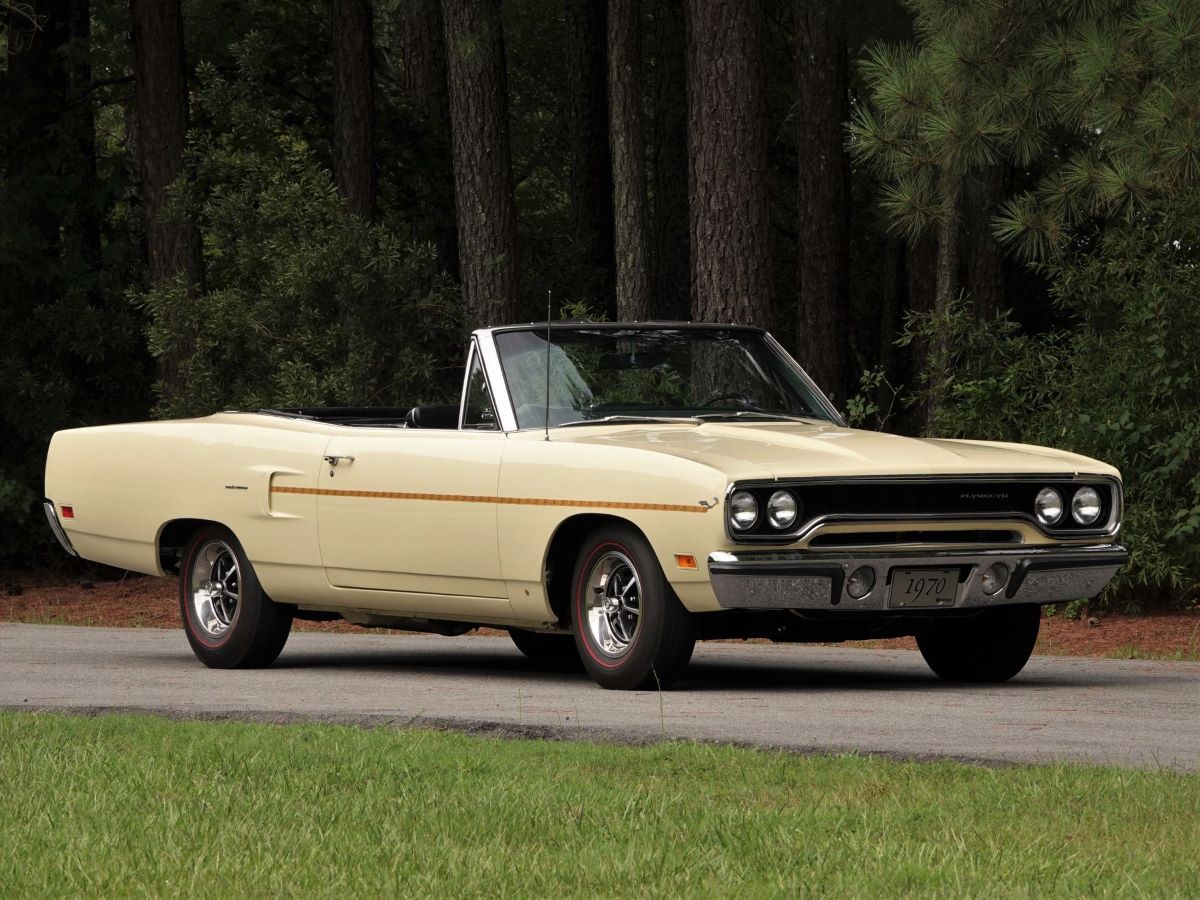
609 493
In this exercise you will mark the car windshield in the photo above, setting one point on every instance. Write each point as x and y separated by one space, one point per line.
623 374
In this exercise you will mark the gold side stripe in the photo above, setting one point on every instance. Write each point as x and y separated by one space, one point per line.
508 501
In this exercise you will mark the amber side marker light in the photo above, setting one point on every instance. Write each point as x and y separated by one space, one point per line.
68 512
685 561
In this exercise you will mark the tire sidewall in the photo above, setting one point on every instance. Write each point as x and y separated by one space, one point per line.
628 668
229 649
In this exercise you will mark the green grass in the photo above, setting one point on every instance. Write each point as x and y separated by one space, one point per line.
138 805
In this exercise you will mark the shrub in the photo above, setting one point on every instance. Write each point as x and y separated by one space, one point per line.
305 304
1122 385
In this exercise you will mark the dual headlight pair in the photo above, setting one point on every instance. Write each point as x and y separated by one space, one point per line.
1085 506
783 508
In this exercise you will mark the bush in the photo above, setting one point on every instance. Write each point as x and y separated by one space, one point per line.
1123 385
305 304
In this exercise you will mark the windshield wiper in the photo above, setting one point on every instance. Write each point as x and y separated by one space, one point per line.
618 420
758 414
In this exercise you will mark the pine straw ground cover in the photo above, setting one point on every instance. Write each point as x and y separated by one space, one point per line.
137 601
136 805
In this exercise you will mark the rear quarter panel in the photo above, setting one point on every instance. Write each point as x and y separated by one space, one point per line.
126 482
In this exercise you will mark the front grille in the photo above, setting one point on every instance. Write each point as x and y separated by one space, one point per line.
876 538
859 499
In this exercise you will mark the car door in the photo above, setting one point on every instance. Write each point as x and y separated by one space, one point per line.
413 510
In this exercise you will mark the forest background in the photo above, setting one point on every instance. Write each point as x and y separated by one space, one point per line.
972 219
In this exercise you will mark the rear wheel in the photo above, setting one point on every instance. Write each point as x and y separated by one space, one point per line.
631 630
556 650
990 647
229 621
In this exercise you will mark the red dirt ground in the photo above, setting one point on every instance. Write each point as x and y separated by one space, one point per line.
145 602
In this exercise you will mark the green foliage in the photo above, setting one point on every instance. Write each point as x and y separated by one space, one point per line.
1123 385
306 304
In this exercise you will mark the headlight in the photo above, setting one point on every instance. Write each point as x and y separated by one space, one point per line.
1085 506
1048 506
743 510
782 510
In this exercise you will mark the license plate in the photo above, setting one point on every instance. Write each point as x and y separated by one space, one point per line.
923 587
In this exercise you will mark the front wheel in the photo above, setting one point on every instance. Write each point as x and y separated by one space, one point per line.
631 630
992 646
230 621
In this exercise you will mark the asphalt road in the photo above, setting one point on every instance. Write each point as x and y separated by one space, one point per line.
795 697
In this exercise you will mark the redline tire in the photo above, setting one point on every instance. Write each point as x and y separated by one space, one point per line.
988 648
233 624
615 573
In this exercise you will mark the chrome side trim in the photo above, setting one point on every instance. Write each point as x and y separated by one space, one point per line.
56 527
789 579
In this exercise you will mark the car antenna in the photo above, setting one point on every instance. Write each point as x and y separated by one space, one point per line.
547 420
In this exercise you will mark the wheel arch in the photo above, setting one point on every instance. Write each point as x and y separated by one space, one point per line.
559 564
173 536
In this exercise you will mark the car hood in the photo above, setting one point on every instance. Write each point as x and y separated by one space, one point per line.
802 450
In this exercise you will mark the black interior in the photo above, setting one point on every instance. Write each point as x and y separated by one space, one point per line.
432 416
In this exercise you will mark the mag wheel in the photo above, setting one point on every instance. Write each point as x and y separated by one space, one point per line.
630 628
229 621
990 647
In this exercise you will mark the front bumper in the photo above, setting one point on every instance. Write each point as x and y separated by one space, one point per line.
802 580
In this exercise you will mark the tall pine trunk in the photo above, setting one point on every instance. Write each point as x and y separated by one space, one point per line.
483 182
946 288
35 96
669 154
160 92
591 191
986 258
353 34
630 209
727 164
823 197
421 73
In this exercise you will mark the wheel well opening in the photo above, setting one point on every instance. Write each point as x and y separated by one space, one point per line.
173 538
560 558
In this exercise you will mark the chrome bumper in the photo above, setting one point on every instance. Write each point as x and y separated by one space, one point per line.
802 580
56 527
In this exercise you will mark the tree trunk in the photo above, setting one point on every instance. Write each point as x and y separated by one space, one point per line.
421 72
587 140
628 160
670 238
823 197
160 92
727 164
353 34
483 182
946 289
81 220
35 96
985 262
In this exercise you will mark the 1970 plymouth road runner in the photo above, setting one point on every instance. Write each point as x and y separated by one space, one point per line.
609 493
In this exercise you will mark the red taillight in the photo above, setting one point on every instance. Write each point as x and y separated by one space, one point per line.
68 512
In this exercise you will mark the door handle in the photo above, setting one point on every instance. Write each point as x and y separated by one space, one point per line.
334 460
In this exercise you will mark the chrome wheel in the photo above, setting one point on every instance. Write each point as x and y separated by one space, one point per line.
614 603
216 584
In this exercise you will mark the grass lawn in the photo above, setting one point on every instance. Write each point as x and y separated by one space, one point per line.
136 805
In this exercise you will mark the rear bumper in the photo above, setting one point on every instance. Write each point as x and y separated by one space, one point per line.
56 527
802 580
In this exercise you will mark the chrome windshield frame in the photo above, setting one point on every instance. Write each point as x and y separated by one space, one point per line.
485 341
